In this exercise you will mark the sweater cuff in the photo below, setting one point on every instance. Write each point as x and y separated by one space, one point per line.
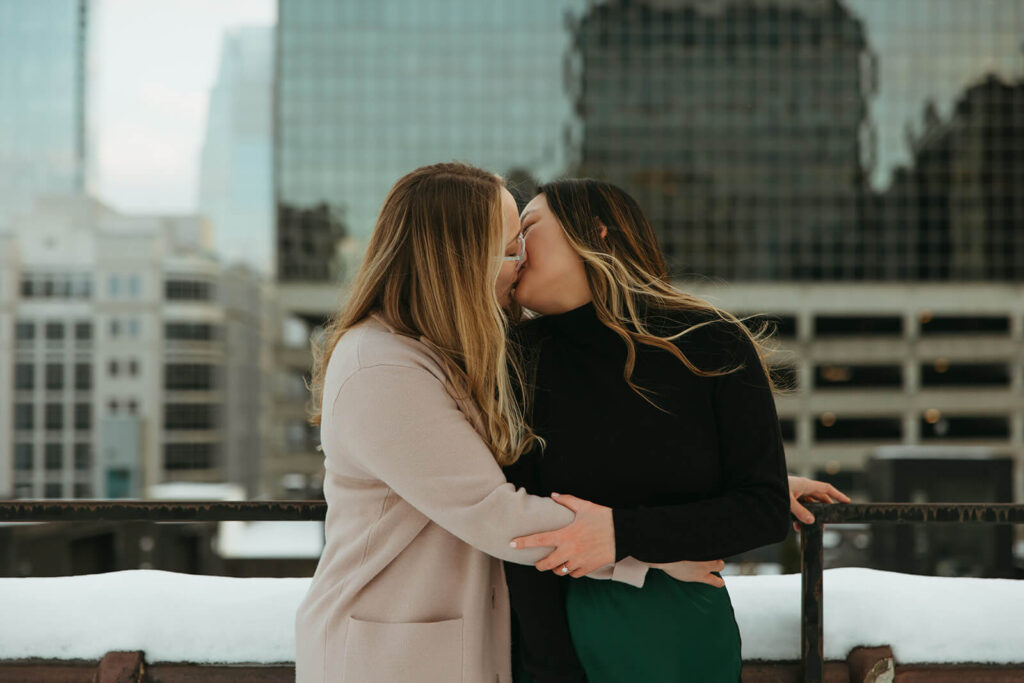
625 523
630 570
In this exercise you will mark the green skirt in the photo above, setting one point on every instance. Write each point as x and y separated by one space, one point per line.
666 632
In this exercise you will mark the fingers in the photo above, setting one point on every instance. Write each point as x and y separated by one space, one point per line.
800 512
571 502
836 493
545 538
552 561
715 581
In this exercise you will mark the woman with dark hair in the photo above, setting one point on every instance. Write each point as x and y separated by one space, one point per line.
656 407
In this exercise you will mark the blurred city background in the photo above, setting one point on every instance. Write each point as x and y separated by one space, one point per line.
187 186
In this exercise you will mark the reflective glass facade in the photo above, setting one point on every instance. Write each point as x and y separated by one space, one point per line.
367 91
44 50
768 140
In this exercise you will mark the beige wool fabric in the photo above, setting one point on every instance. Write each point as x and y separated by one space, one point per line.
408 587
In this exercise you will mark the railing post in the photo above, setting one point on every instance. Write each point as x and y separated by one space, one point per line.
812 626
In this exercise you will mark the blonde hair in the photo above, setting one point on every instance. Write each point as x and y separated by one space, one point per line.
628 277
430 269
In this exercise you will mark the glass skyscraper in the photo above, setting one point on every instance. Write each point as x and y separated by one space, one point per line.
367 91
44 84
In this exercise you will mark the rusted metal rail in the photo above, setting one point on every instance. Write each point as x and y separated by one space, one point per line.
812 628
811 537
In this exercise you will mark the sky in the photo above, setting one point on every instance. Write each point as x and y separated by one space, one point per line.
156 61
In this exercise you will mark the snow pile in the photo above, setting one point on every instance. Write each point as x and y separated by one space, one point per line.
298 540
207 619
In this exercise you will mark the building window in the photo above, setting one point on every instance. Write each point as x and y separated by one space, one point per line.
942 373
134 286
188 290
112 406
133 407
186 416
112 368
24 416
188 376
83 376
54 376
83 331
133 367
935 425
52 491
190 331
964 324
829 427
83 416
25 331
133 328
832 376
24 376
114 284
23 457
83 456
115 327
83 490
857 326
54 416
54 456
54 330
189 456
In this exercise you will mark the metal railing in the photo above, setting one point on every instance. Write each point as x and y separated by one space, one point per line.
812 637
812 627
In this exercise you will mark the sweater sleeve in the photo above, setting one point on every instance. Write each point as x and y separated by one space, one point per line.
752 509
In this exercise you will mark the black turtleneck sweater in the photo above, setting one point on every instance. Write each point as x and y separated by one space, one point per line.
704 478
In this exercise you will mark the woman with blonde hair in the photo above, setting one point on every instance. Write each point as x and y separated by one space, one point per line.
416 403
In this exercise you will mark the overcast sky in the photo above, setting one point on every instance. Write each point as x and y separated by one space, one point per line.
155 64
157 59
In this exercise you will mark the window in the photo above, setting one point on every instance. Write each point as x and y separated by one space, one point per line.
941 372
112 368
964 324
188 376
832 428
54 455
832 376
54 376
52 491
133 328
24 331
859 326
112 406
133 407
24 416
54 330
23 457
115 327
83 331
134 286
133 367
190 416
191 331
188 290
114 284
83 416
934 425
83 376
83 490
24 376
83 456
54 416
190 456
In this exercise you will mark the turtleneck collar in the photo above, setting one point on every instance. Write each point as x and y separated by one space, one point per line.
580 324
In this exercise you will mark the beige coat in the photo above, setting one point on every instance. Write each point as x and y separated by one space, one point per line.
408 587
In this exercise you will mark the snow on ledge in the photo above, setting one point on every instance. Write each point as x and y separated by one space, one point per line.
176 617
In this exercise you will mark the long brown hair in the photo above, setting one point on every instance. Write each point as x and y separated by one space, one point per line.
430 269
627 274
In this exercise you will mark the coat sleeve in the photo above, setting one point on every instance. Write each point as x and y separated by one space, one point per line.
752 509
400 425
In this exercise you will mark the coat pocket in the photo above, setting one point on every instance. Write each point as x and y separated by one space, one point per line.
426 652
